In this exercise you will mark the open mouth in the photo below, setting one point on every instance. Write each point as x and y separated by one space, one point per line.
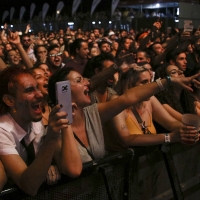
36 108
86 92
45 86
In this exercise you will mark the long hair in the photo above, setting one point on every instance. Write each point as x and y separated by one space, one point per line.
129 79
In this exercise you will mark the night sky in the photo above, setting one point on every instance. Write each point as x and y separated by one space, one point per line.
84 7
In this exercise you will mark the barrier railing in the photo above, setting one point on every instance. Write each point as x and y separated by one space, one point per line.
143 173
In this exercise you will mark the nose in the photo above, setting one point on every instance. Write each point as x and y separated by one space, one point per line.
86 81
38 94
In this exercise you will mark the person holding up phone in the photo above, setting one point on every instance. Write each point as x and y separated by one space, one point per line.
88 120
21 133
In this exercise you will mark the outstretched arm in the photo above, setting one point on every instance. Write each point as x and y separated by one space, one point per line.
137 94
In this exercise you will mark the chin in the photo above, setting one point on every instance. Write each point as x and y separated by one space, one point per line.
36 119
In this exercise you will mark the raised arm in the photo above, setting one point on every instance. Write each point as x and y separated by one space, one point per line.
2 65
137 94
67 155
15 39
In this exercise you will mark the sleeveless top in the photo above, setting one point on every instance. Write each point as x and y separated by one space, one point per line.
111 141
135 128
94 133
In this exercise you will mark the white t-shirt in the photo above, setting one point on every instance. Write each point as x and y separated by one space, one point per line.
11 134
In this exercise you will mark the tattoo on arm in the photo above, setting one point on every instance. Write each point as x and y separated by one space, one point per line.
124 126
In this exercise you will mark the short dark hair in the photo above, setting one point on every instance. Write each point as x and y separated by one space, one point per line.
76 45
97 62
8 80
103 42
52 47
173 54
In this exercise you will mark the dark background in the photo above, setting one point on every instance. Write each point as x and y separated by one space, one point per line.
17 4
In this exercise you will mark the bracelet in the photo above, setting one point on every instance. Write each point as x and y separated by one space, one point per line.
168 81
160 85
167 138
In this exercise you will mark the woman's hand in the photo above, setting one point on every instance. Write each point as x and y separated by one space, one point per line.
186 82
57 120
185 135
189 135
53 175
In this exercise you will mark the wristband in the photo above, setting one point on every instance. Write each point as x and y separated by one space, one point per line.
160 85
167 138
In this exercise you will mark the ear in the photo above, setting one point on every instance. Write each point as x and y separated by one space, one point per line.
148 60
172 62
96 71
8 100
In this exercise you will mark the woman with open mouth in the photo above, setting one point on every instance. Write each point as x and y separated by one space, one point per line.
88 119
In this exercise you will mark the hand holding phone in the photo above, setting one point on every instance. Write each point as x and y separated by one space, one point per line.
63 95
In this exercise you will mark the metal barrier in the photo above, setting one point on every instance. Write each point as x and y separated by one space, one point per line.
143 173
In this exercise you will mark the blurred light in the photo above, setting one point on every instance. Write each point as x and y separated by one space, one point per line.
44 24
70 23
11 26
58 12
2 26
177 11
93 22
99 22
110 22
176 20
29 30
157 5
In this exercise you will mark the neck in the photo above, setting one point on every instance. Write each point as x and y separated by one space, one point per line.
24 125
79 117
140 105
78 59
102 93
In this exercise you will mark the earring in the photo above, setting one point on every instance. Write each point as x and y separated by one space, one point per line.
14 110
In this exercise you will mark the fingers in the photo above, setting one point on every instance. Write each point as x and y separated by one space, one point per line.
57 119
53 175
189 135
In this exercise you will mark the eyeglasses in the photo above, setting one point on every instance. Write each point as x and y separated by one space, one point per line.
55 54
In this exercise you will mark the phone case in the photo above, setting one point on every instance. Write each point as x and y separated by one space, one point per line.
63 95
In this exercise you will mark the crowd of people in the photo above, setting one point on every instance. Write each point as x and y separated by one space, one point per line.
114 76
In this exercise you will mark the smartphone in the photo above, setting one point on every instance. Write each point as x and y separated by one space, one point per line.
63 96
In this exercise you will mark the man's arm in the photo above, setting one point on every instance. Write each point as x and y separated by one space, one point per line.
29 178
